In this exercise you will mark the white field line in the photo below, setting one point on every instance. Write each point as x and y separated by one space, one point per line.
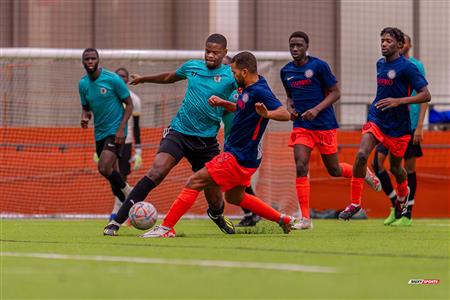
163 261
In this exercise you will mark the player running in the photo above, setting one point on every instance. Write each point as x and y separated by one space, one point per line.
388 120
311 89
103 94
413 151
192 133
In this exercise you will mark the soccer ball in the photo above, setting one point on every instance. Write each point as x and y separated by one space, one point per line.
143 215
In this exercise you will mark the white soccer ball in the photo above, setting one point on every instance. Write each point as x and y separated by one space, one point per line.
143 215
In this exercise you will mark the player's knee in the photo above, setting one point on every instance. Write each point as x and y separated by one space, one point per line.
396 170
301 169
156 175
361 158
334 171
104 169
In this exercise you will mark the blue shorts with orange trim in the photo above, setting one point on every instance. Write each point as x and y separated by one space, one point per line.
227 173
325 140
396 145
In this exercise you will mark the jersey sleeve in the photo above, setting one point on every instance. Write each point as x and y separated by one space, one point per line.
416 79
183 69
120 88
328 78
234 96
83 99
136 104
268 98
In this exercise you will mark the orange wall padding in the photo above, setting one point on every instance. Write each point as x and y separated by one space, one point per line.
50 171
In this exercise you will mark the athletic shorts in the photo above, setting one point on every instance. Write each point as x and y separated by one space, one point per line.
124 160
108 143
227 173
413 150
197 150
325 140
396 145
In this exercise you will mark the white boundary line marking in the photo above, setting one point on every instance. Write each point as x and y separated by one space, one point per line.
164 261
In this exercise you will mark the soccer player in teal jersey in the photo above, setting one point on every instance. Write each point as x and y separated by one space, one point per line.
192 133
414 150
250 218
103 94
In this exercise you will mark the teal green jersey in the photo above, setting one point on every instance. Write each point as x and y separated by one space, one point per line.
227 117
195 116
414 109
104 97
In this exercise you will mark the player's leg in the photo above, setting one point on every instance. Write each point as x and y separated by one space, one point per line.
213 196
368 143
302 154
250 218
195 184
124 168
169 154
402 184
238 196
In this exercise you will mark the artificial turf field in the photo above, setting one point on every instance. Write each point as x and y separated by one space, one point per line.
360 259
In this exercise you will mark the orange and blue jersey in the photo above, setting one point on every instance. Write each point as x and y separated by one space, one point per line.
308 85
248 127
395 79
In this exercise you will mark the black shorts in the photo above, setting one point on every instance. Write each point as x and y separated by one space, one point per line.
124 160
197 150
108 143
411 151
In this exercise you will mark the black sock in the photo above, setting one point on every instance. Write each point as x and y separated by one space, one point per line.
118 193
138 194
386 184
116 180
217 212
250 191
412 183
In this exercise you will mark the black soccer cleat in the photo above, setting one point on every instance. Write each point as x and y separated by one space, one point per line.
401 205
111 230
349 212
222 222
249 221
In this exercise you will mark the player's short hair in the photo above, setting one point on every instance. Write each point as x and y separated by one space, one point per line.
90 50
396 33
300 34
217 38
122 69
245 60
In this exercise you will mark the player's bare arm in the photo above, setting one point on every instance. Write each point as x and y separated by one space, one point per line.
86 115
227 105
279 114
120 134
422 96
163 78
331 98
418 133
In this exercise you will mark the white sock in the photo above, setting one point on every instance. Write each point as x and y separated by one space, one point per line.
117 205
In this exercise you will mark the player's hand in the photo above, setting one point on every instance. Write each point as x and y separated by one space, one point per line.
120 137
418 136
215 101
387 103
261 110
85 120
310 114
135 79
292 111
95 158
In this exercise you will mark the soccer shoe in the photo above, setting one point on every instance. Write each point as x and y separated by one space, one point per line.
303 224
159 232
402 222
391 218
111 230
222 222
373 181
349 212
401 205
249 221
287 227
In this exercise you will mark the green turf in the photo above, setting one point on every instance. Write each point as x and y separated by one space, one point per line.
372 261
